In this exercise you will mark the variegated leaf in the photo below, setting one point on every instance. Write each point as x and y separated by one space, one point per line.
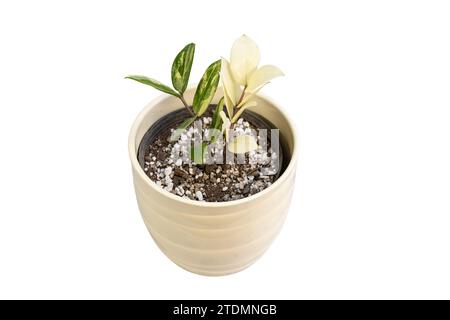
181 68
206 88
154 83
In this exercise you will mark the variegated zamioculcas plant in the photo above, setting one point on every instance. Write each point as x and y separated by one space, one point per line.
241 79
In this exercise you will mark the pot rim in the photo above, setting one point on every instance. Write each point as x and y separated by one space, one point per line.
135 164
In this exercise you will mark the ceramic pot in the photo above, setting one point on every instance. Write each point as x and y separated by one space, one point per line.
212 238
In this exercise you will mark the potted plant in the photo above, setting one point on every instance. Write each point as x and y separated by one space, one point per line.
214 165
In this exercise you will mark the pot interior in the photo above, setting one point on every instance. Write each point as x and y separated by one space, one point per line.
174 118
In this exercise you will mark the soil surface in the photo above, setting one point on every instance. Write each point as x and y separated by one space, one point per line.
215 182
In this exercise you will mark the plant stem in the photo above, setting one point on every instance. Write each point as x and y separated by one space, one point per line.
186 105
242 96
240 100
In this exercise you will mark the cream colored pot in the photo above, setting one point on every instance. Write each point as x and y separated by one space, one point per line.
212 238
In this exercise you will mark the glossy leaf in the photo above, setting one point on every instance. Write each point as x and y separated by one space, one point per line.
197 152
181 68
228 104
263 75
242 144
244 58
214 135
249 96
242 109
230 86
216 125
153 83
226 124
217 120
231 89
206 88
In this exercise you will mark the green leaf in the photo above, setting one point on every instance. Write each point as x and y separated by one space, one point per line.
217 120
216 124
181 68
153 83
215 134
207 88
197 152
204 149
181 128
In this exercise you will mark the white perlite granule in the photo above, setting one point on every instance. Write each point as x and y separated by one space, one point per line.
199 195
168 171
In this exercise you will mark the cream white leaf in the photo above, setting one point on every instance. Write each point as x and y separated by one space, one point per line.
226 124
249 96
263 75
244 59
242 144
248 104
228 104
229 83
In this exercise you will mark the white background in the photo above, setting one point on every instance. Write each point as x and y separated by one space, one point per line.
367 84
